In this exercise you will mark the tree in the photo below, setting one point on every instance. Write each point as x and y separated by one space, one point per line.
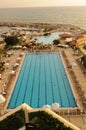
84 47
83 59
56 41
11 40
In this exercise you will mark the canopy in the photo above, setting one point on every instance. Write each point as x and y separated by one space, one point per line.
18 58
24 47
12 72
18 47
22 54
2 99
6 64
9 53
47 106
16 65
55 106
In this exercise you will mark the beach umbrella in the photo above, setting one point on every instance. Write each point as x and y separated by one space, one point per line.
22 54
3 93
24 47
69 65
18 58
55 106
47 106
9 53
16 65
12 72
6 64
2 99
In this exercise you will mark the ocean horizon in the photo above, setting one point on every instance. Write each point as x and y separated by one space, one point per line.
75 15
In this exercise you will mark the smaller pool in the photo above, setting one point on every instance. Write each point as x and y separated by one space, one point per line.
49 38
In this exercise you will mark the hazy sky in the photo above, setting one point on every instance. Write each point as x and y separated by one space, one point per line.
36 3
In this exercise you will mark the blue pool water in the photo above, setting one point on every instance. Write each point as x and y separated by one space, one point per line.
42 80
49 38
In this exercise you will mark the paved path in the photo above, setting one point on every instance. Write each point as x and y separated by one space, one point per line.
78 120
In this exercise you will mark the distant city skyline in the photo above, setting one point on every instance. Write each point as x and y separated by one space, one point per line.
40 3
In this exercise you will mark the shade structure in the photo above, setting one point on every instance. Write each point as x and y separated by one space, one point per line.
12 72
6 64
65 35
22 53
24 47
3 93
55 106
18 58
9 53
16 65
47 106
17 47
2 99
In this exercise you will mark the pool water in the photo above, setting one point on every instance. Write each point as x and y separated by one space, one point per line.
48 39
42 80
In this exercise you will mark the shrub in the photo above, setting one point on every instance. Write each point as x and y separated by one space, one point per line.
56 41
83 59
13 122
45 121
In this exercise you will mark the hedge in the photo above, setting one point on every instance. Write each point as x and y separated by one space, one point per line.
13 122
45 121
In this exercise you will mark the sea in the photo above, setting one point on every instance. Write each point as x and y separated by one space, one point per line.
75 15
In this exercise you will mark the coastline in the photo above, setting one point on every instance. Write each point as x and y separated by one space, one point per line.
51 27
40 25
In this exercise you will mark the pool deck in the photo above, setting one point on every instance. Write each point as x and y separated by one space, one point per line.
77 119
77 77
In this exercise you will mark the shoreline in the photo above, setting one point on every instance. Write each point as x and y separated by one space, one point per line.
76 31
38 25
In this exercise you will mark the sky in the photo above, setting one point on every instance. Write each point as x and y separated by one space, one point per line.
39 3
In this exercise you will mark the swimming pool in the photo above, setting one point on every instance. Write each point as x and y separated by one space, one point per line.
42 80
48 39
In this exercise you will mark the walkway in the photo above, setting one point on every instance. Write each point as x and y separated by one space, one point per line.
78 120
78 81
